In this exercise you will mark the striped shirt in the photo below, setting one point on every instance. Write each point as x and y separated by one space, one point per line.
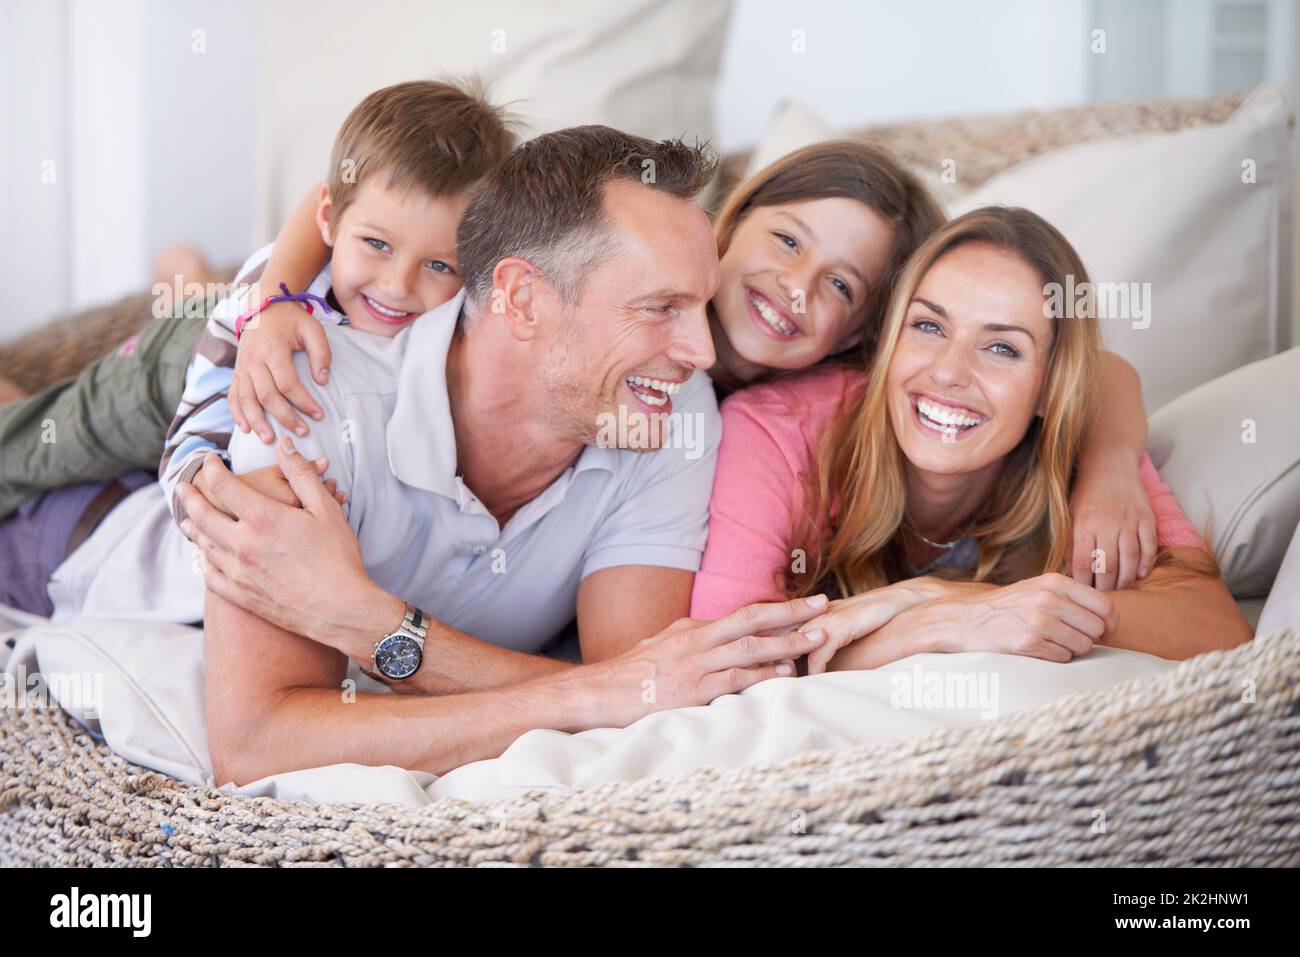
203 421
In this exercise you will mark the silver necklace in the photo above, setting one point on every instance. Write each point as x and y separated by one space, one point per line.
946 546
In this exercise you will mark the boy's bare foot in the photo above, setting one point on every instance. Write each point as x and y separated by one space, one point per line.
184 260
9 391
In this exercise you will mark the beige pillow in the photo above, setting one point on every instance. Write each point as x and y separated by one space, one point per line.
795 125
1230 450
648 67
1171 209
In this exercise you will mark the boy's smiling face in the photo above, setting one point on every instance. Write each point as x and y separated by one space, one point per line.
394 253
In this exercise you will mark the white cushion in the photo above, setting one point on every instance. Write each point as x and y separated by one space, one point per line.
643 66
1170 209
1282 610
1230 451
150 711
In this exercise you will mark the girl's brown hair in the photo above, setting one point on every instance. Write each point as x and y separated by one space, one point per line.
840 169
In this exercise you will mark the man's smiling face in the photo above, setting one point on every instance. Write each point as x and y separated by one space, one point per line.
639 328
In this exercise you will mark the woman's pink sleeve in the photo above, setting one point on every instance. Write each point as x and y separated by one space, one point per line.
1172 526
755 489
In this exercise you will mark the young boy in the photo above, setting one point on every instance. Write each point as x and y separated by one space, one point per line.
401 172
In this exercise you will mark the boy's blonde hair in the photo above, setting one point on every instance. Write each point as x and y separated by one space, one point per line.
436 136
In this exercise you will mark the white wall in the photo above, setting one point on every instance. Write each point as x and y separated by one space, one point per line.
877 60
150 141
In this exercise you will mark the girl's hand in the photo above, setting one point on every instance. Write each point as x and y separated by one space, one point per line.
265 377
1112 520
1051 617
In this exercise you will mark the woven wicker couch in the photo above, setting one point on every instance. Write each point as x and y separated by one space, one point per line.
1199 766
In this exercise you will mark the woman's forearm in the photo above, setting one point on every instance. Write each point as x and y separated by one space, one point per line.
300 252
898 638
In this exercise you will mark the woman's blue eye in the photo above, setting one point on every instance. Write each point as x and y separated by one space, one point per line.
440 266
1011 353
790 241
921 323
378 244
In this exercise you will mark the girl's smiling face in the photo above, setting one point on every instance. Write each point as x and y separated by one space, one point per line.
794 283
967 375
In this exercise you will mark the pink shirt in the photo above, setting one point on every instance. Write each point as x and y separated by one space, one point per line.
769 437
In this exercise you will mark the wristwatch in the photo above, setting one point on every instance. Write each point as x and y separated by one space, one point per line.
398 655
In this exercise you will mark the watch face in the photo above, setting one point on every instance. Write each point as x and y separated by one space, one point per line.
397 656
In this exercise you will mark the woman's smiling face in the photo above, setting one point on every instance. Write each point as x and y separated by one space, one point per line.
794 283
967 375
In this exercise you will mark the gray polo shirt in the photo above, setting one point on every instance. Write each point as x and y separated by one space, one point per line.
424 535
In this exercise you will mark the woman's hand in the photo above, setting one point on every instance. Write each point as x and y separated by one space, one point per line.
1051 617
265 377
298 568
1111 516
851 619
848 619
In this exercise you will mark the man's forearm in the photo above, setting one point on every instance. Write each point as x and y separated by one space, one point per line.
453 661
273 706
313 727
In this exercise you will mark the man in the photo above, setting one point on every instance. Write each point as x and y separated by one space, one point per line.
470 455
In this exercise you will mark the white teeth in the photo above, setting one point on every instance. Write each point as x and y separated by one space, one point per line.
383 309
772 317
945 416
667 388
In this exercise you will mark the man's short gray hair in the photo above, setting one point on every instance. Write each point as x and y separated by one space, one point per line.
543 203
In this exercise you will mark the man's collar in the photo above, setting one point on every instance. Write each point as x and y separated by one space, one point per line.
421 437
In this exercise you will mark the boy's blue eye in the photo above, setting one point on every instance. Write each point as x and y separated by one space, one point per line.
843 287
377 244
440 266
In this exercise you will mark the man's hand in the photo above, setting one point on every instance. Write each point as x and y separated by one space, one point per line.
298 568
692 662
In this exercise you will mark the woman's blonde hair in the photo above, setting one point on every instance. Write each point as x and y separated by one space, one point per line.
858 486
838 169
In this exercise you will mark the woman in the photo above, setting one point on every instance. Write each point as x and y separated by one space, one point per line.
809 248
933 492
